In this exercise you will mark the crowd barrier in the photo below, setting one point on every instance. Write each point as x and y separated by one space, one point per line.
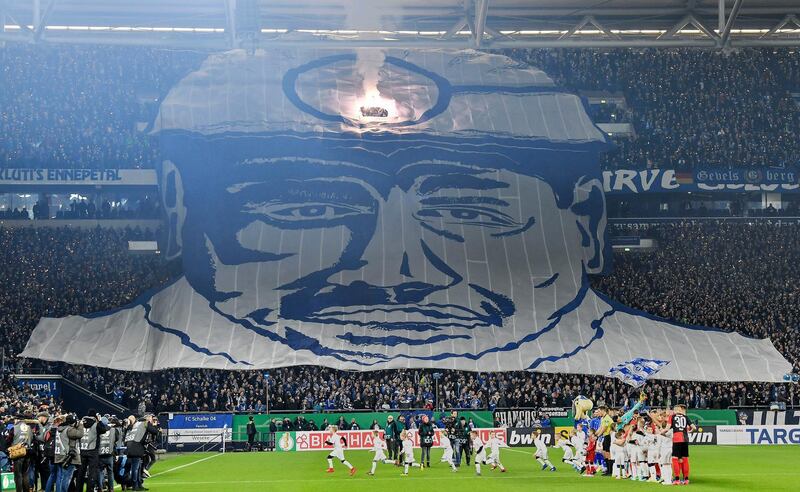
193 429
363 419
357 440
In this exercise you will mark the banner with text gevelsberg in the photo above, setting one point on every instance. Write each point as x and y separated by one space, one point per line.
630 181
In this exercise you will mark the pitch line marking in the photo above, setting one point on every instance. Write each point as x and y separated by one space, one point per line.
185 465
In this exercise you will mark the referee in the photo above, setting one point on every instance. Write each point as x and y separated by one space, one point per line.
604 433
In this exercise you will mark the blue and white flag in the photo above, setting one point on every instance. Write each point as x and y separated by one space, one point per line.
636 372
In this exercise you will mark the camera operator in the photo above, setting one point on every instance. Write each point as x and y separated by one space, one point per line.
150 447
426 440
67 456
107 451
21 450
49 436
88 470
392 434
42 440
135 438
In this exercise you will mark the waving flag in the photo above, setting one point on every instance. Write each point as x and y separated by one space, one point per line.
637 371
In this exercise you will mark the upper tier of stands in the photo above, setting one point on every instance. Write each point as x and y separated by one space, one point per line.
64 106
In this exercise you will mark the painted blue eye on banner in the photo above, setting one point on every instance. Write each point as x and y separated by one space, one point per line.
447 216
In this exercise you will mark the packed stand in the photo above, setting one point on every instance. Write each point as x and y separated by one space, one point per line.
755 268
88 106
690 107
78 107
57 272
319 389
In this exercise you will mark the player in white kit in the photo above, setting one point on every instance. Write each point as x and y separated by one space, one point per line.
619 455
494 444
569 450
479 450
541 450
408 452
338 442
653 451
378 447
447 457
578 440
665 435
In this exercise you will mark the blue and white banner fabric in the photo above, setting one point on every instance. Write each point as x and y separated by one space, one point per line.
636 372
443 211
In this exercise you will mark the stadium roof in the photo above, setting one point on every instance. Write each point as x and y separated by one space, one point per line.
224 24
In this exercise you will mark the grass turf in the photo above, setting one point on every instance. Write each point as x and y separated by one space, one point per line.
712 468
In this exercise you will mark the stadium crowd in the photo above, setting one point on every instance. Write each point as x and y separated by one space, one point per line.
78 107
62 271
691 108
87 105
57 272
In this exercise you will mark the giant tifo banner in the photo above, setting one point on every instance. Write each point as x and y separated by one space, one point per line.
630 181
199 427
442 209
758 434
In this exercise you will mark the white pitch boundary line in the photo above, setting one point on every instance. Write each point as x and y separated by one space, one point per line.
118 486
187 464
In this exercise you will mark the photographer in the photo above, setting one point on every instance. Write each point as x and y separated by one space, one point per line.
392 437
464 441
150 447
43 445
251 433
273 428
135 438
107 451
88 469
426 440
20 451
67 456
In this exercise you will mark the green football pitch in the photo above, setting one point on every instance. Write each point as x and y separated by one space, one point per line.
712 468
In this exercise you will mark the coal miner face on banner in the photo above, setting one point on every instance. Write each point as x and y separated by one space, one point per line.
391 233
377 243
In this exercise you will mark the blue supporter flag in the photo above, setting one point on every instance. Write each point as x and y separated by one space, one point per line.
637 371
